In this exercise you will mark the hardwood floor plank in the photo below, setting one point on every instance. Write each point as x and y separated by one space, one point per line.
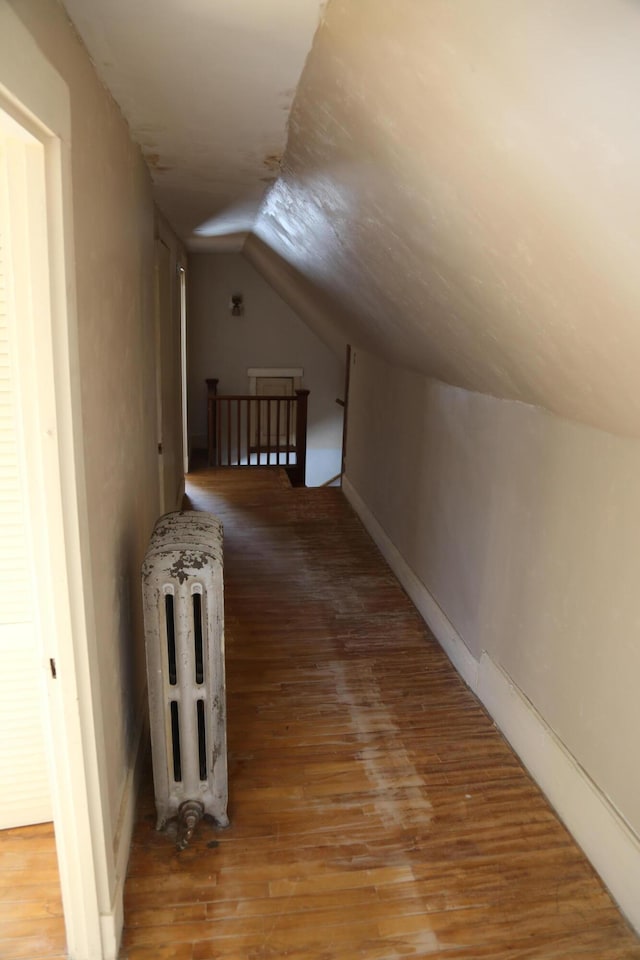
33 945
376 813
31 919
171 951
39 908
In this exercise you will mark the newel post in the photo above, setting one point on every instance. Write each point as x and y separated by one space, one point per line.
301 437
212 410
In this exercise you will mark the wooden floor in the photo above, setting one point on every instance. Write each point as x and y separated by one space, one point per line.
375 811
31 922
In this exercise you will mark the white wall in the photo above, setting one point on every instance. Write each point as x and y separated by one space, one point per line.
524 528
269 334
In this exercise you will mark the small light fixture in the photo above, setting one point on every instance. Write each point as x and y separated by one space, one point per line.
236 305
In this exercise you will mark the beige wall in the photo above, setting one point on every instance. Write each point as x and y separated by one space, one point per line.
113 223
461 177
525 529
322 313
269 334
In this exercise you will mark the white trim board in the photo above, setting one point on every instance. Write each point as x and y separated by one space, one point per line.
443 630
112 923
608 842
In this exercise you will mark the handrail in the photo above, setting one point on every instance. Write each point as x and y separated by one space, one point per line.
247 430
254 396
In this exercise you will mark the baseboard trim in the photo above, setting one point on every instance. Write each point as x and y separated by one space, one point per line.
112 923
606 839
443 630
608 842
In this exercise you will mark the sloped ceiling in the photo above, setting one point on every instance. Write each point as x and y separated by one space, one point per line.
460 191
206 86
462 185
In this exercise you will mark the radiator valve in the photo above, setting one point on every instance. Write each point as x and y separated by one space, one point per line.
189 816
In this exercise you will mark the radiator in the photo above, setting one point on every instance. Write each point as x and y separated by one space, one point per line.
182 587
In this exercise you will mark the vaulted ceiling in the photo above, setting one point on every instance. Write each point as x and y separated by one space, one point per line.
460 189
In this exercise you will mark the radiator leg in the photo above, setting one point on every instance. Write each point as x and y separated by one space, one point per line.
189 816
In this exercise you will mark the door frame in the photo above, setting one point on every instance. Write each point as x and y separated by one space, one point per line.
345 410
160 423
182 287
49 395
170 322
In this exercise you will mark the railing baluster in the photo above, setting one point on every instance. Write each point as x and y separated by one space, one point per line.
278 432
238 431
212 429
301 436
229 432
269 432
259 431
248 433
218 405
289 402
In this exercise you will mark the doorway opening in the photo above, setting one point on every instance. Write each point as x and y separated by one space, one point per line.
26 794
51 771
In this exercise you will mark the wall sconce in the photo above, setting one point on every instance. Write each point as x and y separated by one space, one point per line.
236 305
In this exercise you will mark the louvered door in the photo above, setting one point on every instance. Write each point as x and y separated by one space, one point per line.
25 795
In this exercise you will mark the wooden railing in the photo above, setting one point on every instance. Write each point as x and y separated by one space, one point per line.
256 431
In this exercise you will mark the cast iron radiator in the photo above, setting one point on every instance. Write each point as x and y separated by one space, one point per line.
182 587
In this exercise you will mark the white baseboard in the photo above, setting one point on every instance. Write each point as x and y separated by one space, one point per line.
608 842
444 631
113 922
